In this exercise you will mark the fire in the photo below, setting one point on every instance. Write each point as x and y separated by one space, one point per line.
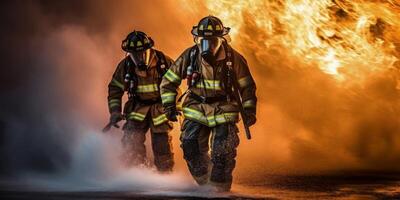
349 40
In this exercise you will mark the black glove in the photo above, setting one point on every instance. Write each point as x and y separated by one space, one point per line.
170 112
250 117
115 118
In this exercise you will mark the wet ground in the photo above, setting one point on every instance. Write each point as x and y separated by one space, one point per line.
357 186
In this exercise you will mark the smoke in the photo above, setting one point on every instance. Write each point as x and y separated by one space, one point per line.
59 56
57 60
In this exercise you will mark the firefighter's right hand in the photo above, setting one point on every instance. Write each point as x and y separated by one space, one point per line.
115 118
171 112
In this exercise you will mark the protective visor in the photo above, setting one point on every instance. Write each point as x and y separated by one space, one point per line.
141 57
209 44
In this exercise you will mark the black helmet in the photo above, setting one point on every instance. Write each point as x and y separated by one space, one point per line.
210 26
137 41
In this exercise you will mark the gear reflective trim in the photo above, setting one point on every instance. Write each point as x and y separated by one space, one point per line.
114 101
159 119
168 97
249 103
117 83
136 116
209 84
112 105
172 77
245 81
209 121
195 115
147 88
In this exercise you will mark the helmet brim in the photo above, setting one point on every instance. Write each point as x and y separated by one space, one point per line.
195 31
126 48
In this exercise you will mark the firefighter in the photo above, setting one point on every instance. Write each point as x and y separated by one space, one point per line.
139 74
209 107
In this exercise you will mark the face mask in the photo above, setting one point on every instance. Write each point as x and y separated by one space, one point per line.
209 47
141 58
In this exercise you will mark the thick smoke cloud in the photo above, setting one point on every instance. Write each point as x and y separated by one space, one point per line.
59 55
57 59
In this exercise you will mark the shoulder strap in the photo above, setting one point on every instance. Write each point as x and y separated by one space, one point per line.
193 57
228 65
161 63
130 77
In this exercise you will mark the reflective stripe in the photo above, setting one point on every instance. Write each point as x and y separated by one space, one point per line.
112 105
209 84
160 119
249 103
168 97
147 88
245 81
171 76
137 116
114 101
117 83
210 121
194 114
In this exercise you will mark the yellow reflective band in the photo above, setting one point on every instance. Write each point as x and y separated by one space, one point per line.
209 84
112 105
172 77
209 121
245 81
118 84
249 103
139 43
147 88
168 97
160 119
209 27
132 44
114 101
194 114
218 27
137 116
146 41
201 27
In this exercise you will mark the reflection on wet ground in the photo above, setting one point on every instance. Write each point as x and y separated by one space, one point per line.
346 186
349 186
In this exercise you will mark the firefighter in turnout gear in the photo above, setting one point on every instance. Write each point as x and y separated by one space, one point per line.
211 68
139 74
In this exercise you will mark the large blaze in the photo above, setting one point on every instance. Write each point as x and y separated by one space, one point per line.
328 77
349 40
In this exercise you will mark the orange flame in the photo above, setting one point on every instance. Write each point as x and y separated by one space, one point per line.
349 40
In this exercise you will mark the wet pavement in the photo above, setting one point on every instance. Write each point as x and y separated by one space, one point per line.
352 186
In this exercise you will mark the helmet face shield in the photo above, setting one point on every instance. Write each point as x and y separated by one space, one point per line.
209 47
141 58
209 44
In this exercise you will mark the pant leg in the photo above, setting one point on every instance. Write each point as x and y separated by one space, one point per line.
194 138
162 150
223 152
133 143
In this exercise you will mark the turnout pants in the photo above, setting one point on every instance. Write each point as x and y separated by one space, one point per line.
134 147
224 140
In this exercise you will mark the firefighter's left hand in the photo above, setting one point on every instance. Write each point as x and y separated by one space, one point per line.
171 112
